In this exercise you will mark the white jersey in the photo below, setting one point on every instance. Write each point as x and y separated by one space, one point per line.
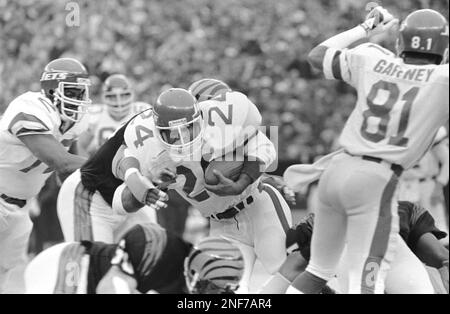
22 175
102 125
400 106
429 165
232 113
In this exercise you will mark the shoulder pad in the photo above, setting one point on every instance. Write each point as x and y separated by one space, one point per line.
371 49
32 112
229 123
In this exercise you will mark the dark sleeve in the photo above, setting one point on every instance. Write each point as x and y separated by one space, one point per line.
424 224
96 173
416 221
100 256
157 257
300 236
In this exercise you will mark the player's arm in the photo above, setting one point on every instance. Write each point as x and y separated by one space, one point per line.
51 152
84 141
259 154
127 167
431 251
328 56
440 150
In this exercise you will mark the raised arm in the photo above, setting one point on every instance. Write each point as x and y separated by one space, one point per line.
378 21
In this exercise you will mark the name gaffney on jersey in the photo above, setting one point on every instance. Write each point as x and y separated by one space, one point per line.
395 70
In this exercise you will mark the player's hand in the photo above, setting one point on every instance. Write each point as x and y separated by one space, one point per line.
164 178
225 187
289 195
156 199
379 21
438 195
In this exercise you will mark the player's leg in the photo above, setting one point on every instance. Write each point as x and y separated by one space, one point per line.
66 204
104 223
237 230
15 229
270 217
328 238
60 269
407 274
142 216
372 224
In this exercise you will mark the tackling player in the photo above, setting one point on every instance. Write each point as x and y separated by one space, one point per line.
174 146
402 102
147 259
118 107
425 182
417 230
36 131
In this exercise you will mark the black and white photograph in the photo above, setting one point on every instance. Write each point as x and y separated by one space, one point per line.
239 148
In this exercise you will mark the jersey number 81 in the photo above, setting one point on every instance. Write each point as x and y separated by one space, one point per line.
382 111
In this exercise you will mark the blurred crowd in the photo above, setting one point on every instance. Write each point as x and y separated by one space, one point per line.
258 46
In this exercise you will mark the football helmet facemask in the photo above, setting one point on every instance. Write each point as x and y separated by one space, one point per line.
178 122
65 82
118 95
214 266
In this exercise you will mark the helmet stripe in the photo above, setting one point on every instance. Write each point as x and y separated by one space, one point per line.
201 91
222 267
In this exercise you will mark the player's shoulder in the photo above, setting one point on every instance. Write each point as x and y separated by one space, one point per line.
372 50
96 109
232 108
140 133
33 103
31 111
139 106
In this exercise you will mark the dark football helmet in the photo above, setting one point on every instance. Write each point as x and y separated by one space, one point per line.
118 95
424 32
208 88
65 82
214 266
178 122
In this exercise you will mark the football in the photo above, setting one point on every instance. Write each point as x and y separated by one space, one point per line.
230 169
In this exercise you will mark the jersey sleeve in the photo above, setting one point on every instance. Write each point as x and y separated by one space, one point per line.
29 117
140 140
416 221
231 123
347 64
260 148
441 136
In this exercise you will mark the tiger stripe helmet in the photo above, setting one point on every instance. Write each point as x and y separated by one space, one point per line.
214 266
208 88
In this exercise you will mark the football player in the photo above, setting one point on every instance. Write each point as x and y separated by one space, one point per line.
418 233
425 182
117 108
171 147
214 266
146 258
402 102
36 131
